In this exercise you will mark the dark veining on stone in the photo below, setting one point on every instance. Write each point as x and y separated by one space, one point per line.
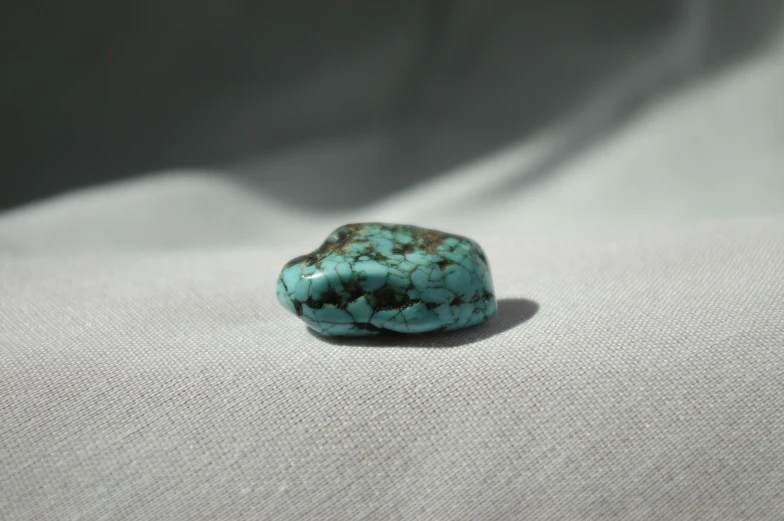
374 278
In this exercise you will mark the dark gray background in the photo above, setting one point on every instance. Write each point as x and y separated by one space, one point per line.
95 91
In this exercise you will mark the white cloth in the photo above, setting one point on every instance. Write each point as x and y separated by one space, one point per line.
636 369
648 384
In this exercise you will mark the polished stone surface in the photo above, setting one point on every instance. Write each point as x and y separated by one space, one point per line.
373 278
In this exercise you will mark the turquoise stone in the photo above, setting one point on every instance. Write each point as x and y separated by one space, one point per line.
373 278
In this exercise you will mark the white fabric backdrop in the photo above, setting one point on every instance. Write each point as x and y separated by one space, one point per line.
636 370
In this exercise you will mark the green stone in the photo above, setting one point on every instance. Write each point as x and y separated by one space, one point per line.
373 278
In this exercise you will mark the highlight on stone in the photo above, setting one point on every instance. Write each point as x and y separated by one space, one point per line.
374 278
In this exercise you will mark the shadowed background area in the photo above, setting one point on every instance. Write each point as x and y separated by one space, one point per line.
359 99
